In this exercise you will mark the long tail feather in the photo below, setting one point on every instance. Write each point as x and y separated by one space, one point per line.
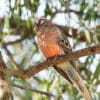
62 73
71 74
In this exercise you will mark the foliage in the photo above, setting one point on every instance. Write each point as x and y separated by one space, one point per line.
18 22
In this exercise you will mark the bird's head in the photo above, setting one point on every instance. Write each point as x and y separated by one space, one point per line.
41 23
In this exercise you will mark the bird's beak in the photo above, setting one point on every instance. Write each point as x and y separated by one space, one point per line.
34 24
35 21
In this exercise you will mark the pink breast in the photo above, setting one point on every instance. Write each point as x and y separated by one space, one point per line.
51 50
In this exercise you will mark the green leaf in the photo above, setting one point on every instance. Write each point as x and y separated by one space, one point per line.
97 72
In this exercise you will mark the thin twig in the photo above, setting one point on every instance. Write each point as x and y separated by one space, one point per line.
14 42
72 56
34 90
4 45
10 56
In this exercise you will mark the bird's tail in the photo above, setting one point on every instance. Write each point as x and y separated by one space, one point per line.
71 74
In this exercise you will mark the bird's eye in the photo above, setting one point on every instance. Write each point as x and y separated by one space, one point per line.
40 22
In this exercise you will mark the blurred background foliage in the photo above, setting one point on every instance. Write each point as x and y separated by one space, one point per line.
16 23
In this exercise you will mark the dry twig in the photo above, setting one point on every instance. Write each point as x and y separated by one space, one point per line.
33 90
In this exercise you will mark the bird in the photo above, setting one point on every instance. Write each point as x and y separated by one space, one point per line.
53 42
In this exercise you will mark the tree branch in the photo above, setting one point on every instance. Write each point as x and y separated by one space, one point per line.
10 56
14 42
4 79
34 90
53 61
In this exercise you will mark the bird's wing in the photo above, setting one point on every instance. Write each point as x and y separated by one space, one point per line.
64 43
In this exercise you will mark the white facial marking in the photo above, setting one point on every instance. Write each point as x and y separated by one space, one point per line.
39 33
42 22
39 39
43 43
42 36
